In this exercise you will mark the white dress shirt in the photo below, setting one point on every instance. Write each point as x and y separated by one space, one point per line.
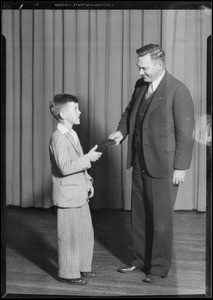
63 129
157 81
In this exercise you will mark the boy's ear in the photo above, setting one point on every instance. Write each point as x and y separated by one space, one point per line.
62 114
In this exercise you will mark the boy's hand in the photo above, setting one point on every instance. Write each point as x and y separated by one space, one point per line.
93 155
91 191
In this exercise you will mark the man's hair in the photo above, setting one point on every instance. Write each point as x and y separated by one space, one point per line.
154 50
58 102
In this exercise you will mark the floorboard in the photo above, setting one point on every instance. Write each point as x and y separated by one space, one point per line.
31 256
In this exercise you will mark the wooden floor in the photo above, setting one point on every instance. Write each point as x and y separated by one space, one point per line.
31 256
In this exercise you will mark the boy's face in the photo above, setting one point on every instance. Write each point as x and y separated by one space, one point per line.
71 113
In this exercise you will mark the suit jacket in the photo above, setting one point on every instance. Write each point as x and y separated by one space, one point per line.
167 128
70 180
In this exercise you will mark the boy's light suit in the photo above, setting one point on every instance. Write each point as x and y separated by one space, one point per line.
70 185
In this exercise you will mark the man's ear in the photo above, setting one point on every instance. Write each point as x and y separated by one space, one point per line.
160 64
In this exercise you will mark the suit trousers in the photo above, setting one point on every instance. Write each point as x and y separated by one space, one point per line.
75 241
153 202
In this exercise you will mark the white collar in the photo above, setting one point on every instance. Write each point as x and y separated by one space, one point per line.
63 129
157 81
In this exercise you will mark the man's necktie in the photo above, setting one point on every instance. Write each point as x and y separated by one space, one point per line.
149 91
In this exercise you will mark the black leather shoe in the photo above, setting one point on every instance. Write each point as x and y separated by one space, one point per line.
128 269
151 278
76 281
88 274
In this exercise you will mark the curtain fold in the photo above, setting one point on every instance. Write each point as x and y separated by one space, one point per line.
92 54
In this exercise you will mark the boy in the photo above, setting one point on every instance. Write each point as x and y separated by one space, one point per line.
72 188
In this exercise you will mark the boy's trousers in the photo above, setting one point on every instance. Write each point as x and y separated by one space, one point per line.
75 241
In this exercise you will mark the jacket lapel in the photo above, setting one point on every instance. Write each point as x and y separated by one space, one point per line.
138 97
159 95
72 141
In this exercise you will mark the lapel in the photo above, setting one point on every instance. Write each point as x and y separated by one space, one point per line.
72 141
159 94
138 97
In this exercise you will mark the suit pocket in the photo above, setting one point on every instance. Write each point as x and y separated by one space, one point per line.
170 147
69 181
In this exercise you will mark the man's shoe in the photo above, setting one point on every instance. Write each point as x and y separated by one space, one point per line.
88 274
151 278
74 281
128 269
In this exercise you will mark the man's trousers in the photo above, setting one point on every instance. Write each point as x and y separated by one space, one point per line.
153 202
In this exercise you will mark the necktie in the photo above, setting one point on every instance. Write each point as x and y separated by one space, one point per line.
149 91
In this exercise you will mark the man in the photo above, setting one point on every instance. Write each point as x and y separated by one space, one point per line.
159 122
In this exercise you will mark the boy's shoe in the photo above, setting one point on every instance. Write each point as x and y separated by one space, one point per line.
88 274
76 281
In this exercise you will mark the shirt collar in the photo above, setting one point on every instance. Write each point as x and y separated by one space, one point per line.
63 129
156 82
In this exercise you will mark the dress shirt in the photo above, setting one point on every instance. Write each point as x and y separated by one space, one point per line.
63 129
157 81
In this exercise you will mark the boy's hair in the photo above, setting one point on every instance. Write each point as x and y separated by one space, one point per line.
58 102
154 50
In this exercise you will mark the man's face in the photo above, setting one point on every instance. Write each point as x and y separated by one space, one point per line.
72 113
149 69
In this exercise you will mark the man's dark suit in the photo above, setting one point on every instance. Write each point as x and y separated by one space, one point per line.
167 143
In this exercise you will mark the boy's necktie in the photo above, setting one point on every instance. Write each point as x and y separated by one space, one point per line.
149 91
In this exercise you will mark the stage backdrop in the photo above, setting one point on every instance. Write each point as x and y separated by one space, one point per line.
92 54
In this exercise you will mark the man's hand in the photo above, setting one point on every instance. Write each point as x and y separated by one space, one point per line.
178 177
93 155
117 136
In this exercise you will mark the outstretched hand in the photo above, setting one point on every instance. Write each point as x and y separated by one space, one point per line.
94 155
117 136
